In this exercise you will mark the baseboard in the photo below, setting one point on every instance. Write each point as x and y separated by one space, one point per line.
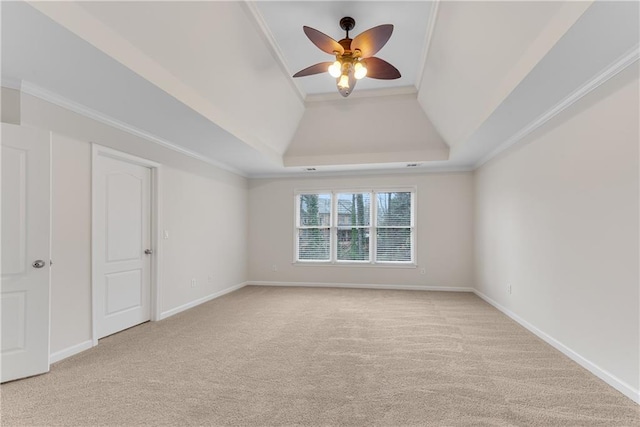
199 301
361 286
605 376
70 351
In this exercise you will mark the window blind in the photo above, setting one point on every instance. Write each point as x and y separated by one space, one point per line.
314 227
354 220
360 227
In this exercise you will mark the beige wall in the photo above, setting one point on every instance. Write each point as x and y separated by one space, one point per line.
444 231
315 143
204 209
208 228
557 219
70 242
10 106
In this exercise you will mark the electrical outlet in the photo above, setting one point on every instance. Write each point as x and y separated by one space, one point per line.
509 289
194 282
423 271
210 280
165 234
274 267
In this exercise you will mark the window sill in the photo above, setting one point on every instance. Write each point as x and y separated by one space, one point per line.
354 264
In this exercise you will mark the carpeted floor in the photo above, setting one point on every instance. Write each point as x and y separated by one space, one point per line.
304 356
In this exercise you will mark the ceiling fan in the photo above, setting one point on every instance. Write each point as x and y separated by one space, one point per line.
354 57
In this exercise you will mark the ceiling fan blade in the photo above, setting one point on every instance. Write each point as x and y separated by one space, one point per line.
380 69
323 41
372 40
321 67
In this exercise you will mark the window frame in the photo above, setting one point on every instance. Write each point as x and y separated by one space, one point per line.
411 227
336 229
298 227
373 227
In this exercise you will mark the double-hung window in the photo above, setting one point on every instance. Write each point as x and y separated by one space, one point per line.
362 227
353 215
314 227
394 227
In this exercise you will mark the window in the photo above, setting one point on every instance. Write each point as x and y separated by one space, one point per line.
354 226
314 220
367 227
393 223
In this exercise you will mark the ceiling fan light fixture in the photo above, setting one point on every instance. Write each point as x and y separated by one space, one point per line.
354 58
359 70
346 82
335 69
343 82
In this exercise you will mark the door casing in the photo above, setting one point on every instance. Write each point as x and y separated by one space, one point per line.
156 203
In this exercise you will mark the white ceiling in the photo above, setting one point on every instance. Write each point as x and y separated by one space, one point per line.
582 59
48 57
471 61
284 21
210 56
214 78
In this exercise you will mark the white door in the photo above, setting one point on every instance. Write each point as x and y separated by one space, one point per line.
25 251
122 234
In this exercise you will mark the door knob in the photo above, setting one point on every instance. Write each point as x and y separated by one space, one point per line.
38 264
148 251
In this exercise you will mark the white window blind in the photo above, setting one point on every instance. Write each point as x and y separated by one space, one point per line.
394 227
355 227
354 221
314 227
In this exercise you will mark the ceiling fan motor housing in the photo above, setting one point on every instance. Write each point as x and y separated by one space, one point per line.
346 45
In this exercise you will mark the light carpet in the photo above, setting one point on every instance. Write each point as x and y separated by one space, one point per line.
266 356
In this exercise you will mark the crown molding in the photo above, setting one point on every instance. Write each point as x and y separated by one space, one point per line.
423 169
616 67
431 25
45 95
251 8
11 83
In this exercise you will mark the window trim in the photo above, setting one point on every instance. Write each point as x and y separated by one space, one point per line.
333 226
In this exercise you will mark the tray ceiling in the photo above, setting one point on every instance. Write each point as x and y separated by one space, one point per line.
214 78
405 50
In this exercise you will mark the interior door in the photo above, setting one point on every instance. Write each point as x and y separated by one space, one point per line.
122 251
25 251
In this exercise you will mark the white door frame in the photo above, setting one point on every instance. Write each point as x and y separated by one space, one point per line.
156 220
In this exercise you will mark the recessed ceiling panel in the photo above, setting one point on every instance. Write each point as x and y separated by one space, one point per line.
404 50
